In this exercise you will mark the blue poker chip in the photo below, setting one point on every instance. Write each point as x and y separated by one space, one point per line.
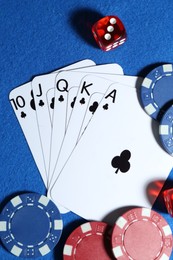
30 225
166 131
157 91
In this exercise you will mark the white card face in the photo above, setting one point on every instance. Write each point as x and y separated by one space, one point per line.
65 84
88 85
21 99
106 68
91 109
80 119
126 80
50 102
95 98
115 160
41 85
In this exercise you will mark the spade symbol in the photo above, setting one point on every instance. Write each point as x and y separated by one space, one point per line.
122 162
105 107
61 99
82 101
93 107
73 102
52 103
23 115
41 103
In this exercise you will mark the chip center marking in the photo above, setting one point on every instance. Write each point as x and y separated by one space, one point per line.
163 91
33 228
143 238
94 246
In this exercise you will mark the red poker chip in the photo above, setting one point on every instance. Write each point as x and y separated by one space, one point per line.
90 241
141 233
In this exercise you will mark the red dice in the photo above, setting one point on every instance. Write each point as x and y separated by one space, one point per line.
109 32
168 198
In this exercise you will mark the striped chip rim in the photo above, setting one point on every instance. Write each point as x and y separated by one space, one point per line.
90 240
30 225
141 233
156 90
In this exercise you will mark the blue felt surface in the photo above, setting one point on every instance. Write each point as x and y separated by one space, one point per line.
40 36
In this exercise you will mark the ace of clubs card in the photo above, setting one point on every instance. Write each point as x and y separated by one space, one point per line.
114 161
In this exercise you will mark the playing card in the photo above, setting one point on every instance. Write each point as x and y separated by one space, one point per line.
114 161
22 101
129 80
40 86
96 95
107 68
50 103
65 83
80 117
69 138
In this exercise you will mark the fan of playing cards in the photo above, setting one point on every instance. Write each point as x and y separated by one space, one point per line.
92 142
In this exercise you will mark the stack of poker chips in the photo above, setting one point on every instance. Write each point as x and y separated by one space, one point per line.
140 233
157 101
31 226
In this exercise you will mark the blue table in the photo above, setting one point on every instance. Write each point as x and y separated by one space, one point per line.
37 37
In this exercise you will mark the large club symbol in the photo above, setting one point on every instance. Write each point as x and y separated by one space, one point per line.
122 162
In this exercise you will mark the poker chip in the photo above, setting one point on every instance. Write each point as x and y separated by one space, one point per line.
89 241
166 131
157 91
30 225
141 233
